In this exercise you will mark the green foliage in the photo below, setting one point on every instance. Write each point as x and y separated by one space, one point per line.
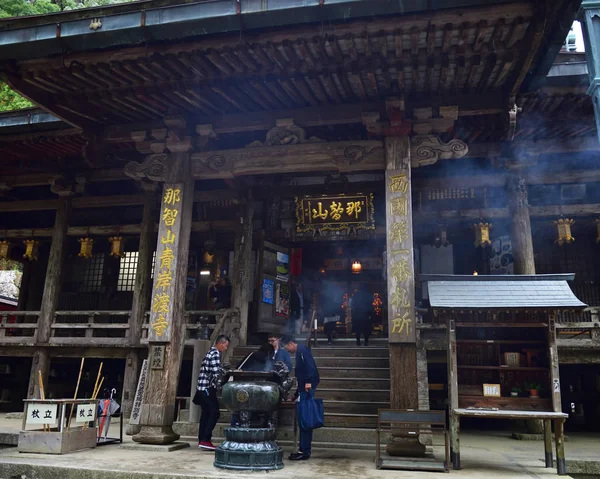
9 100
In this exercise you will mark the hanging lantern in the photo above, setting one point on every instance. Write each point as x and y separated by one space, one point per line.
5 246
117 246
86 245
598 234
441 237
322 270
356 267
563 225
482 233
31 249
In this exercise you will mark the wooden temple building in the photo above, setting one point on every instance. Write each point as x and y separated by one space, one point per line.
177 142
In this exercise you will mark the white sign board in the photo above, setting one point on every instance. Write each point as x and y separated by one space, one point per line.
41 413
86 412
139 395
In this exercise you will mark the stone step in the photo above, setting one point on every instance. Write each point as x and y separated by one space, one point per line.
329 351
349 362
354 383
355 407
358 372
324 437
332 419
377 395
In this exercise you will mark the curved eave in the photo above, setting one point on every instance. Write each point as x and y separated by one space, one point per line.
56 33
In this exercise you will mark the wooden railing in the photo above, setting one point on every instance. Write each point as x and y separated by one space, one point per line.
110 328
90 327
18 327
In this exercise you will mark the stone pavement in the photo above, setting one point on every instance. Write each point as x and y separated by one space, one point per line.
484 455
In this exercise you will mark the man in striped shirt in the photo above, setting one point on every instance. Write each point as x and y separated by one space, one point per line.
207 391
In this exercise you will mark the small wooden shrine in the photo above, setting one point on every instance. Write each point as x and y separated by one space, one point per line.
502 354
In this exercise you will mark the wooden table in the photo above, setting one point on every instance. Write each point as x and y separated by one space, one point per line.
558 418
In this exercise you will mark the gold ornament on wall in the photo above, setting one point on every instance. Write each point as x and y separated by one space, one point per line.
31 249
482 234
86 245
117 246
4 247
563 226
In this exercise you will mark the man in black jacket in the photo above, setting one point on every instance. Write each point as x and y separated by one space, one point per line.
307 377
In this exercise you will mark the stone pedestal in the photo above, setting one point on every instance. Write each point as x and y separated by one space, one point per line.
249 449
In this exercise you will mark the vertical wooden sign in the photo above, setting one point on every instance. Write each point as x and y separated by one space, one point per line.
169 232
399 236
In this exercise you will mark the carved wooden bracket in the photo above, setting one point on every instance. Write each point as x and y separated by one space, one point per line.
428 149
285 132
155 167
63 186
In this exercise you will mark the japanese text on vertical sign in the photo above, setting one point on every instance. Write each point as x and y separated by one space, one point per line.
399 236
161 300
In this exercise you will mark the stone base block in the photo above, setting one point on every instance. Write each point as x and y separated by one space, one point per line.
156 447
54 442
405 447
158 435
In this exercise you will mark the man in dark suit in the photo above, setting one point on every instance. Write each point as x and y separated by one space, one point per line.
280 354
307 377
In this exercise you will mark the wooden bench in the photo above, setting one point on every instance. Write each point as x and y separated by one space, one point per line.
412 421
547 417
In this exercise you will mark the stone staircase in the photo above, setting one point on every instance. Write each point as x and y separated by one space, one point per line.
355 383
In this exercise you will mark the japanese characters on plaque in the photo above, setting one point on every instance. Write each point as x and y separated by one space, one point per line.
157 356
334 213
41 413
401 297
85 412
169 228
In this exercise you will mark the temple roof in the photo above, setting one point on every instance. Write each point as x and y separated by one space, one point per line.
501 292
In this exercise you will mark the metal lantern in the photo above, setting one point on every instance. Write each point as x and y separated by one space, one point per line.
482 233
117 246
441 237
31 249
4 247
356 267
598 233
86 245
563 226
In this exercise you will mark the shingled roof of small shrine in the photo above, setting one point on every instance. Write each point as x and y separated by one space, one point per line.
501 292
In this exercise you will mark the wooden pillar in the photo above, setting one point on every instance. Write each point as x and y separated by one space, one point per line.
548 443
242 257
454 419
520 226
140 304
167 328
559 437
50 296
401 289
52 282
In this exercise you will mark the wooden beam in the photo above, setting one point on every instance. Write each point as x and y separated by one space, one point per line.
40 97
491 213
197 226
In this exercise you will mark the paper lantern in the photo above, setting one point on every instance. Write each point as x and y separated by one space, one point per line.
86 245
356 267
31 249
4 247
482 233
563 226
117 246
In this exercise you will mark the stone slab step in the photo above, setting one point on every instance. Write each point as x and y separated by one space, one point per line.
348 362
354 383
332 419
364 437
355 407
377 395
357 372
318 352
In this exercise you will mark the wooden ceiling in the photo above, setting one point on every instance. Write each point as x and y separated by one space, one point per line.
483 50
